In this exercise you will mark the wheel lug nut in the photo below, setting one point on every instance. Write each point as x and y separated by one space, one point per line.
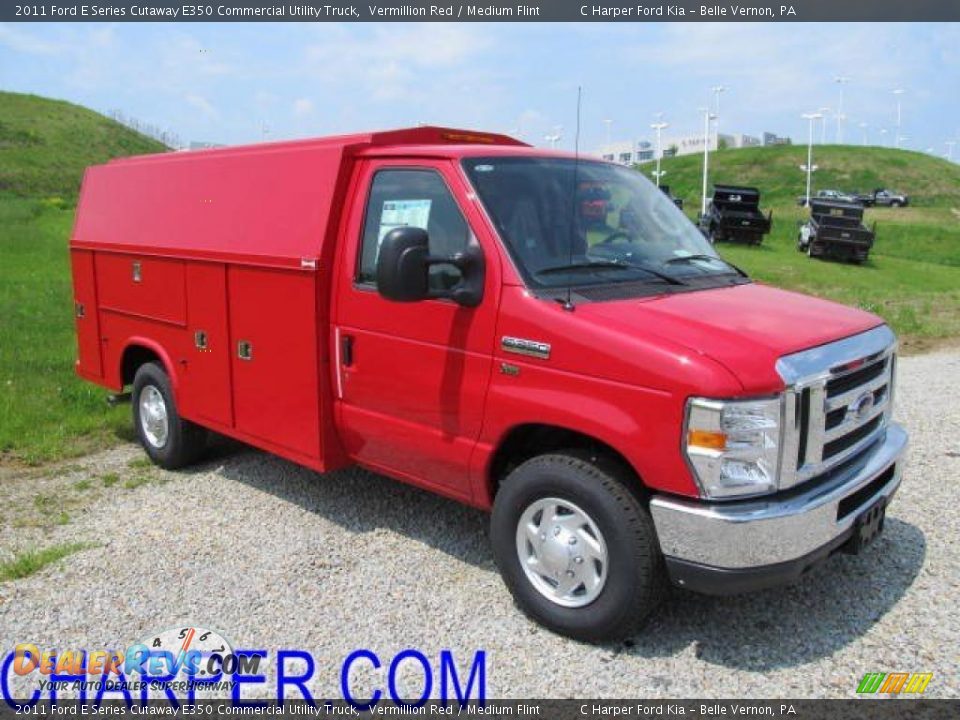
569 573
556 531
573 541
578 559
543 536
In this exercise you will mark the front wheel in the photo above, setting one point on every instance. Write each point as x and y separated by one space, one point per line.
576 547
169 440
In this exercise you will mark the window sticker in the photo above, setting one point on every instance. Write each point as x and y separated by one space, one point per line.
403 213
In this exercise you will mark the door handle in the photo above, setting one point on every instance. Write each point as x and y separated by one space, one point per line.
346 350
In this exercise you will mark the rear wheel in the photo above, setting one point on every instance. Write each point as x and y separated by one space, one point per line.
576 548
170 441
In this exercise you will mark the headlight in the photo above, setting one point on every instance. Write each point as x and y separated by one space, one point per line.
734 446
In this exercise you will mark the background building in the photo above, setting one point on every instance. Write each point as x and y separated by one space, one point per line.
770 138
628 152
742 140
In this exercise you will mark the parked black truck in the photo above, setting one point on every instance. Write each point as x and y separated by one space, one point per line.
678 201
883 198
827 195
734 215
836 229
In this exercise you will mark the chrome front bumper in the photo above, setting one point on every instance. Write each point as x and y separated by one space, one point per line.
786 533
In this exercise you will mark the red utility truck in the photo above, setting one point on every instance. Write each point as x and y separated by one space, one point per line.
457 310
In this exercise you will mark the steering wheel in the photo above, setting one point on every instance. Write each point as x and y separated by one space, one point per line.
618 235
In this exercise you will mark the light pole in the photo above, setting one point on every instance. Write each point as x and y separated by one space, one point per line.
863 128
823 112
717 89
897 93
950 144
707 117
555 137
841 81
811 118
658 126
883 137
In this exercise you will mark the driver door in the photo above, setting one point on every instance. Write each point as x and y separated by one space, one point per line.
411 378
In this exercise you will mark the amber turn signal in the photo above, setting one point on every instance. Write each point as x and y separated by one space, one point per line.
707 439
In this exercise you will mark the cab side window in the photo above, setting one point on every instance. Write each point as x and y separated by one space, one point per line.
418 198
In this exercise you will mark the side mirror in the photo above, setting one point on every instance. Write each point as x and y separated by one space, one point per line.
403 269
402 265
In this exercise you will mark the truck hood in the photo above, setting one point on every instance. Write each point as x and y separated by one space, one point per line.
746 328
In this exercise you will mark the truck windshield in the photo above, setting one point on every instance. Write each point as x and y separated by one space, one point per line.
595 223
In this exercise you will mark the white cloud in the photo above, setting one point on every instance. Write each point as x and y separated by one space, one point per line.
393 62
199 102
20 41
183 62
302 107
780 71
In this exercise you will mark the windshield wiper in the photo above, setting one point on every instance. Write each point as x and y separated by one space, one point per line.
704 256
601 264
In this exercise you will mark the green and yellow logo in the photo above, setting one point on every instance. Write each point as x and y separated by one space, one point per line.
894 683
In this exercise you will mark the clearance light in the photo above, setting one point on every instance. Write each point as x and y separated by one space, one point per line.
469 138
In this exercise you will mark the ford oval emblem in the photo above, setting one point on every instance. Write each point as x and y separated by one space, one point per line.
862 405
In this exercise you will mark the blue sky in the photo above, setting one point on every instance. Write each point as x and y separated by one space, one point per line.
222 82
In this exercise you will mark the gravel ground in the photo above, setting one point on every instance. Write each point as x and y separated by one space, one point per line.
276 556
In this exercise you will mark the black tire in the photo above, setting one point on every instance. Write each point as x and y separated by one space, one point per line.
183 442
895 203
636 579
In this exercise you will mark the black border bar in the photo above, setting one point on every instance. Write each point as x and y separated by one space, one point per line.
621 11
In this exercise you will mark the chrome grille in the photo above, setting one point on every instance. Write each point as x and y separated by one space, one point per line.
838 402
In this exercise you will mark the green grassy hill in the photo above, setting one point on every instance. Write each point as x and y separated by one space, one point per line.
45 144
45 411
913 276
930 181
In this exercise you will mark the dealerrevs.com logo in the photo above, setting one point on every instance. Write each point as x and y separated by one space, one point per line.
177 660
193 663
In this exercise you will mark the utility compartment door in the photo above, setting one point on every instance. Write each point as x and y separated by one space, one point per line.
148 287
85 314
205 377
273 332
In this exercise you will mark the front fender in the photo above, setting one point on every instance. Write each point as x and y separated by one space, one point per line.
642 424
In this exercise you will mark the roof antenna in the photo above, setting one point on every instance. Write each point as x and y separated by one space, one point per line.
568 303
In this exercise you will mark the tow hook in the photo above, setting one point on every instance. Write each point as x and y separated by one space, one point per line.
116 398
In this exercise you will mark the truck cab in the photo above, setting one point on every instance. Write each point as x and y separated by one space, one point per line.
536 334
884 198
